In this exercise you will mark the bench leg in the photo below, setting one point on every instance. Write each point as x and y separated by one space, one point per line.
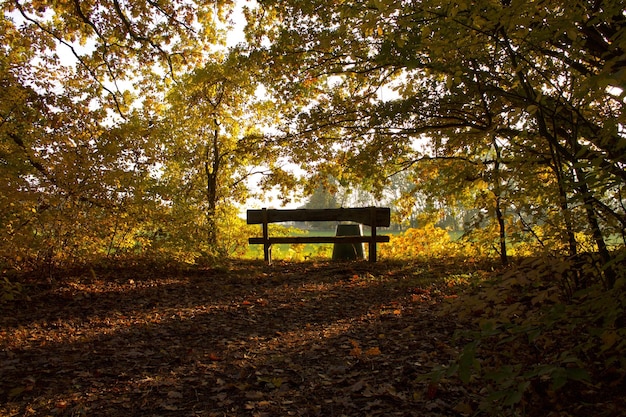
372 250
267 252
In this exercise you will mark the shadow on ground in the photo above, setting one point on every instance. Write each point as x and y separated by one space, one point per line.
305 339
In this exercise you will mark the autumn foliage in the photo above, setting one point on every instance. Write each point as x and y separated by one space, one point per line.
134 134
423 243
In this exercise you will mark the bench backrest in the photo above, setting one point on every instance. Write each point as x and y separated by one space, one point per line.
369 216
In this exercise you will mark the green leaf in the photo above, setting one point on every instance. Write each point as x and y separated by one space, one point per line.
577 374
16 391
466 362
559 378
513 398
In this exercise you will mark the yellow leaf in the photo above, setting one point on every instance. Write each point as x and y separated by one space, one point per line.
16 391
532 109
464 409
608 339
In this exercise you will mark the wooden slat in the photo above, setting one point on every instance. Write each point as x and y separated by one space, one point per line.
360 215
316 239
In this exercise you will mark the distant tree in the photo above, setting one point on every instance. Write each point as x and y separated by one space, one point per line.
321 198
213 141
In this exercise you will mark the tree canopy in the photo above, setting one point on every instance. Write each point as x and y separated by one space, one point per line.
510 108
82 84
505 115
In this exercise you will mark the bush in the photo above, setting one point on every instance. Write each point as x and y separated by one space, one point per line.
533 343
429 241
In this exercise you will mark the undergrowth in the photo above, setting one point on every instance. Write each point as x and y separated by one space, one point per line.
536 339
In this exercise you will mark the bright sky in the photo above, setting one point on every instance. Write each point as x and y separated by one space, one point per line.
235 34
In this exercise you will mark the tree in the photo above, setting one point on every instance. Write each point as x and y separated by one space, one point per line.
75 149
213 137
389 92
321 198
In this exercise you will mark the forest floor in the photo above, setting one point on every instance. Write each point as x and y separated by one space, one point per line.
291 339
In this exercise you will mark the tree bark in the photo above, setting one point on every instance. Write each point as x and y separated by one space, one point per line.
499 215
211 169
605 256
563 202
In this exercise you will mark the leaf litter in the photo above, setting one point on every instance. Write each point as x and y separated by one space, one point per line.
301 339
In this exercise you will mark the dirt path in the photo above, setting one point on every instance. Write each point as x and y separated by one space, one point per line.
292 339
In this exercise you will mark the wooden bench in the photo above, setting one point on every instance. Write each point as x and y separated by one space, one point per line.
370 216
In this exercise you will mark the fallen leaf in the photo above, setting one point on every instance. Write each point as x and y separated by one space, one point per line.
254 395
16 391
174 394
374 351
432 391
357 386
464 409
356 349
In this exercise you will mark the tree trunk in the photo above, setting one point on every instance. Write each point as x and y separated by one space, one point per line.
211 169
605 256
499 215
503 253
563 202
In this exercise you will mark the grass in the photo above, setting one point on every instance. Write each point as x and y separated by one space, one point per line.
300 252
296 251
